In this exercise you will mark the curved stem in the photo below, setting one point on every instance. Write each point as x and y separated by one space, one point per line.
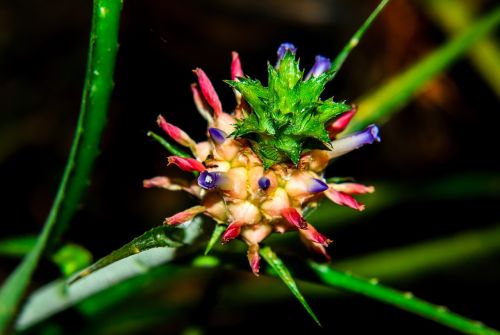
372 289
84 150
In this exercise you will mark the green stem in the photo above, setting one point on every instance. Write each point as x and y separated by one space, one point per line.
453 16
353 42
380 104
406 301
85 148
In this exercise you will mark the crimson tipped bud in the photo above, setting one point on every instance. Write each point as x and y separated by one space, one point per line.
208 91
236 70
293 216
186 164
338 126
175 133
232 232
343 199
184 216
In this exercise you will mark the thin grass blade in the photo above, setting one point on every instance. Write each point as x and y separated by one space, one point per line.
372 289
380 104
281 270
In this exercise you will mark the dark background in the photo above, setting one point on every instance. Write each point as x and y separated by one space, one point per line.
450 128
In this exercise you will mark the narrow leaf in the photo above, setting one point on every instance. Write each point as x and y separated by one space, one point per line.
285 275
216 234
17 246
372 289
161 236
60 294
84 150
378 105
454 16
353 42
174 149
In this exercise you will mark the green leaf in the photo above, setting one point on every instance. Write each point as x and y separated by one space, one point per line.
161 236
353 42
252 91
330 109
216 234
84 150
17 246
290 146
172 148
285 275
380 104
120 265
289 73
71 258
372 289
454 16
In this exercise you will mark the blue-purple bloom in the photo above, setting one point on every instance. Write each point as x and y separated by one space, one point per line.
264 183
283 48
354 141
217 135
321 65
317 185
209 180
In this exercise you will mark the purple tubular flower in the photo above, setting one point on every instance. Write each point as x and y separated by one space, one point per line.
321 65
316 185
283 48
217 135
354 141
264 183
208 180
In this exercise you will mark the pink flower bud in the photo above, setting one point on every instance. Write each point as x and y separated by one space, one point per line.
293 216
201 104
208 91
184 216
352 188
343 199
232 232
175 133
236 70
186 164
313 235
254 258
338 126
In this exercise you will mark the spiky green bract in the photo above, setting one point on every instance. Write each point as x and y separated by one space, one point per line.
288 115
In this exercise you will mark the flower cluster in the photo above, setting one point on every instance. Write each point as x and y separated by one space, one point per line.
263 164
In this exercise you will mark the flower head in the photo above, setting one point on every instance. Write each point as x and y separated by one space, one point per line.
263 164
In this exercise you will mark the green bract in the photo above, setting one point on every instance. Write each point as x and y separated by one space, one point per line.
288 116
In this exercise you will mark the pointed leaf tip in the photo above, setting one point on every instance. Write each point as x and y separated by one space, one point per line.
279 267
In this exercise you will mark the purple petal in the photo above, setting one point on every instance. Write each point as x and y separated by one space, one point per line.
217 135
321 65
316 185
264 183
283 48
354 141
208 180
